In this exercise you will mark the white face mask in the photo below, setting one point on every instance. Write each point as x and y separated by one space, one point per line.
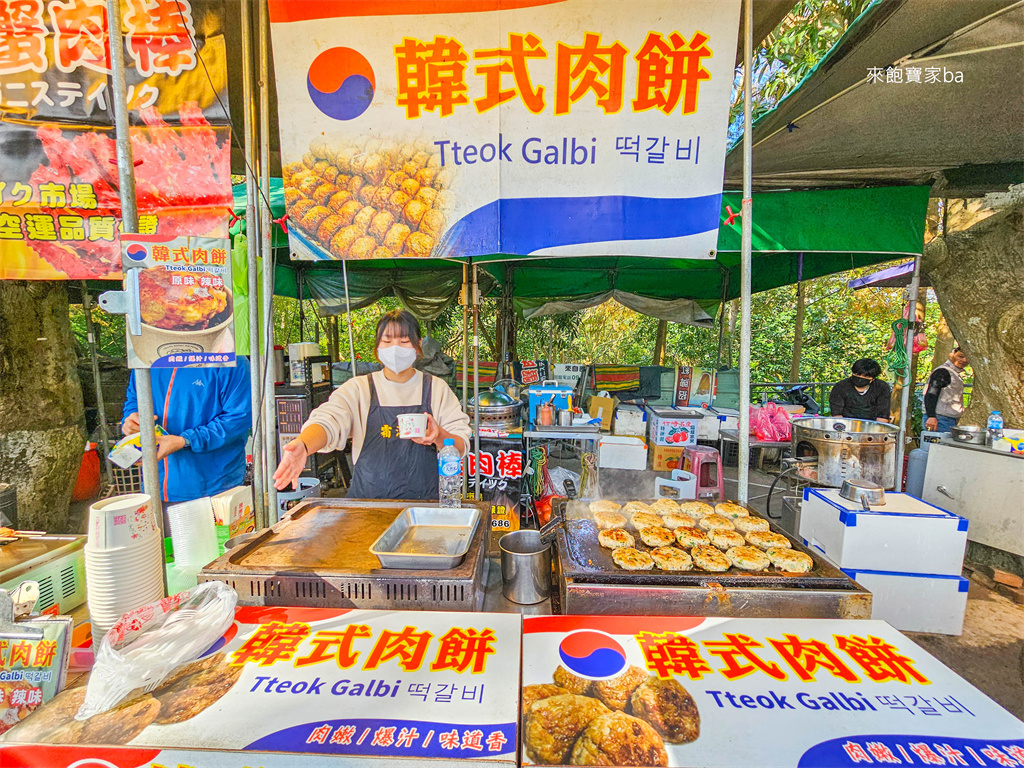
398 359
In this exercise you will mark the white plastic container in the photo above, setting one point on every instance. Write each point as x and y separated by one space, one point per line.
622 453
916 602
906 535
297 353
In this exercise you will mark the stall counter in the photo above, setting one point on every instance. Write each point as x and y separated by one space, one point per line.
721 693
338 687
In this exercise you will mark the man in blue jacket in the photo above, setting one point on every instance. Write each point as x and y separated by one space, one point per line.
207 413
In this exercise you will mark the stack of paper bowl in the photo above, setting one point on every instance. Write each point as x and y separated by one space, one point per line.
123 559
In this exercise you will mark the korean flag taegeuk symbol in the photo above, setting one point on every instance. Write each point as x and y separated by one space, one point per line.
341 83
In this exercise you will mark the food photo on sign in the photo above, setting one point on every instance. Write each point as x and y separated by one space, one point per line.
184 301
350 684
720 693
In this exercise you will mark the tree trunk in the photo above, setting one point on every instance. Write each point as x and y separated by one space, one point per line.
659 343
42 419
798 334
734 310
944 343
978 275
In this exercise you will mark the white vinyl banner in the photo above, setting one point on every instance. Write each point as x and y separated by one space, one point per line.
546 128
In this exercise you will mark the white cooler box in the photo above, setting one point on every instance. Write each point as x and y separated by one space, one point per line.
714 421
622 453
916 602
906 535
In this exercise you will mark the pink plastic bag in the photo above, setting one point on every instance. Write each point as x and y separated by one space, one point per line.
780 420
761 426
770 423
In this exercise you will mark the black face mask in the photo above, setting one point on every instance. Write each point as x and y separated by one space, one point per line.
860 381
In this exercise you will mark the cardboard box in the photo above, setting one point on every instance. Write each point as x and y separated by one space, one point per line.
602 408
665 458
759 703
615 452
630 420
906 535
233 508
334 687
916 602
674 426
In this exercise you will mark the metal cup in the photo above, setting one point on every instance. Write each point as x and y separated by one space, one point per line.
525 567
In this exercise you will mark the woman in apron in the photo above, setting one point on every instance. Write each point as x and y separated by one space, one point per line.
366 409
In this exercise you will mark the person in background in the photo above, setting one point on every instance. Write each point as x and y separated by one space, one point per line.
944 393
207 414
366 408
863 395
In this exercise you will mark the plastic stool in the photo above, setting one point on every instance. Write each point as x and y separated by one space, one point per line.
706 464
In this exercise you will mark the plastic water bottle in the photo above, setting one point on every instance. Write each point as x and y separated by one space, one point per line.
995 427
449 475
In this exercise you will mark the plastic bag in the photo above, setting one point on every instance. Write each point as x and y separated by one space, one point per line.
761 426
780 421
149 643
558 477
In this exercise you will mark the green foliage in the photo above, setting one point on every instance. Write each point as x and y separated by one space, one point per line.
110 332
790 52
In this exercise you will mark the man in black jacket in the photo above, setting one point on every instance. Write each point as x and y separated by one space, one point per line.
863 395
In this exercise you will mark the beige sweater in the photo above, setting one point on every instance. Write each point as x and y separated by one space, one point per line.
344 414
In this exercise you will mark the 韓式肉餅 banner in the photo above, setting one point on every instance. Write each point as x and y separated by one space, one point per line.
522 127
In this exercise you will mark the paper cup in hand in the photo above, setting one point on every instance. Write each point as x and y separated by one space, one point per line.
412 425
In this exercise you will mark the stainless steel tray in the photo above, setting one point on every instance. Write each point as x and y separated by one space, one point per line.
427 538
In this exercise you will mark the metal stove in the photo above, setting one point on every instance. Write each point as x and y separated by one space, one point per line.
318 556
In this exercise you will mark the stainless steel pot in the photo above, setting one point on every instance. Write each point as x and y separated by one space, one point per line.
864 493
525 567
970 435
847 449
497 409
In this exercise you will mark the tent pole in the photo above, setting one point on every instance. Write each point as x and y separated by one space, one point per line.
465 361
253 271
745 258
908 336
478 492
348 317
266 248
130 225
302 305
101 407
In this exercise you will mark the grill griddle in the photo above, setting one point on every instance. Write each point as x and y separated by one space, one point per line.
584 560
318 555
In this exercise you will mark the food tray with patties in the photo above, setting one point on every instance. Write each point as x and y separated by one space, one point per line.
583 559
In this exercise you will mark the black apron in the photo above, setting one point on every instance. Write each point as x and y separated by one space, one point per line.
389 467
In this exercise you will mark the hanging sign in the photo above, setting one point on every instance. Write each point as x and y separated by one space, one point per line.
184 301
59 205
517 127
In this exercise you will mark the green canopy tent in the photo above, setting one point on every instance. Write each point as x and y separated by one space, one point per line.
797 236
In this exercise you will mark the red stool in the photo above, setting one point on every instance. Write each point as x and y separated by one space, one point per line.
706 464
